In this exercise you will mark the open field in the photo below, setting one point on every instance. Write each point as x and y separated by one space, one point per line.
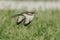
45 26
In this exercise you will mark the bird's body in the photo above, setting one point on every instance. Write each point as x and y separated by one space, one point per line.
27 17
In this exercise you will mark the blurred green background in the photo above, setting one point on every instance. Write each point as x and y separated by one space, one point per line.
45 26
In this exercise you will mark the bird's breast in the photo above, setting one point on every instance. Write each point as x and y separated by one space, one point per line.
30 17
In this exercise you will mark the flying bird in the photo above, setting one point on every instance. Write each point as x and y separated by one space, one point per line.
27 17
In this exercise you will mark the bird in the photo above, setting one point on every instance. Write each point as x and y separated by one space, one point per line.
27 17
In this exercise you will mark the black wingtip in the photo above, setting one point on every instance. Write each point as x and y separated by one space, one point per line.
17 23
27 24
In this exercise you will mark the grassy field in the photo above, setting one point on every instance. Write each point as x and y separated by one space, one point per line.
45 26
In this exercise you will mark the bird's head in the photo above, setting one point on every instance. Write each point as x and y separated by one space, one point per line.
30 13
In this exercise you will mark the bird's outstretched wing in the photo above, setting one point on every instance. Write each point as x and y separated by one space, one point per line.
27 22
20 19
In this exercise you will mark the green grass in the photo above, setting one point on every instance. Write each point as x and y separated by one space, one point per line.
45 26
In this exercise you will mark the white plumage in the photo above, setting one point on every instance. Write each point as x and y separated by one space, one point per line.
27 17
20 18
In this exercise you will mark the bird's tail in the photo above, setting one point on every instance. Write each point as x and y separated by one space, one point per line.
16 15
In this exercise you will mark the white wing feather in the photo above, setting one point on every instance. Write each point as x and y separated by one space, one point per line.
28 19
20 18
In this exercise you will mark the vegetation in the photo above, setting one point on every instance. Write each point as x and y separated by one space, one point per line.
45 26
